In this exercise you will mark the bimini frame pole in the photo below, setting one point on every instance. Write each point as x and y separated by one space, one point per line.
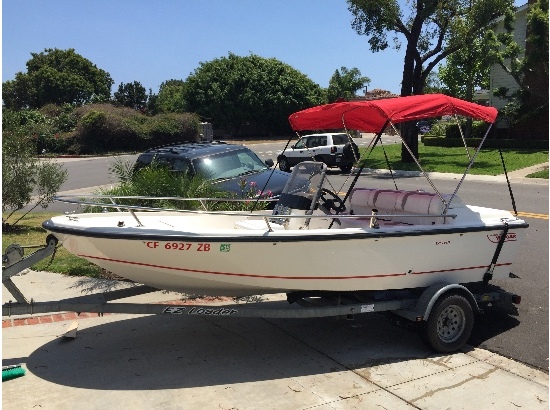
420 167
374 141
463 138
471 163
272 172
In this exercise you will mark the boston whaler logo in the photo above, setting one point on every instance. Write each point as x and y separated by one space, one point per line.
495 238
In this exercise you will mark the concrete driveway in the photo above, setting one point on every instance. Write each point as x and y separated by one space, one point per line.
121 361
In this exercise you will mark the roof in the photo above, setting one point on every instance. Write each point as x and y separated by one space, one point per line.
374 115
196 149
375 94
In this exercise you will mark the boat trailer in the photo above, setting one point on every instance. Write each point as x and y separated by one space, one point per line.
443 311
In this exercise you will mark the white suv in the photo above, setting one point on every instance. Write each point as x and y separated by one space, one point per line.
334 149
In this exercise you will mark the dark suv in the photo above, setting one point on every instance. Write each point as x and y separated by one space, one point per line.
227 165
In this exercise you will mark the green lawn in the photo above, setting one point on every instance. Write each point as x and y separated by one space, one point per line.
455 160
540 174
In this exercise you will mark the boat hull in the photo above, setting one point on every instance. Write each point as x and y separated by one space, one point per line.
232 262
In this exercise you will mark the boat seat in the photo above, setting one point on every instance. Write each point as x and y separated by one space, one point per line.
363 197
399 206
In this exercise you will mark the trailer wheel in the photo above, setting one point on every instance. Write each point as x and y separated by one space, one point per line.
449 325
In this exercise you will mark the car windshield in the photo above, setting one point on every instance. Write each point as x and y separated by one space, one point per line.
228 164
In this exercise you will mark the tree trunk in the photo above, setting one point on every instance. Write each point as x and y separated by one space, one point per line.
409 132
469 97
409 86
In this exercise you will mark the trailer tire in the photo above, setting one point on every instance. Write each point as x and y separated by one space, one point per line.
449 325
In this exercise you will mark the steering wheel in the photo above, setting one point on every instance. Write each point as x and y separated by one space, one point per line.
329 200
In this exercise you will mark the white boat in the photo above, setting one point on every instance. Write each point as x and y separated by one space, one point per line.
314 240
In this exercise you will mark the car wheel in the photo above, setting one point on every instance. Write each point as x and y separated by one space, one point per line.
346 168
351 151
284 165
319 158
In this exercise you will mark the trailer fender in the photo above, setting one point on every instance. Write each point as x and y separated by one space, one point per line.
433 293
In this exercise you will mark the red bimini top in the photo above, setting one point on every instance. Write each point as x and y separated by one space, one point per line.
374 115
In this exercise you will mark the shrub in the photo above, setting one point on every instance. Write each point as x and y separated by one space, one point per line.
103 127
37 129
171 128
63 117
98 128
489 143
101 130
24 176
479 128
159 181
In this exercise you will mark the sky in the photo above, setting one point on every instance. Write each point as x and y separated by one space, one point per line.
154 41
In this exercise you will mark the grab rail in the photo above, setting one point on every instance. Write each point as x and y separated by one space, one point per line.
78 200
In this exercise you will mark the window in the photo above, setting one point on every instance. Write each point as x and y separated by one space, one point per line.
340 139
228 164
300 144
312 142
181 165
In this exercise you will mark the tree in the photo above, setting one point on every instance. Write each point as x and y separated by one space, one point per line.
234 91
432 31
344 83
171 96
466 70
131 95
433 84
527 66
58 77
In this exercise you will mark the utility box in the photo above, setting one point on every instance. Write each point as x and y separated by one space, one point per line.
206 132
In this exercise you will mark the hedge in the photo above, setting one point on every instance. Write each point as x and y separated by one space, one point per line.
105 128
489 143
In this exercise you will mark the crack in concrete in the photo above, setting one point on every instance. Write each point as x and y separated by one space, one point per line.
469 379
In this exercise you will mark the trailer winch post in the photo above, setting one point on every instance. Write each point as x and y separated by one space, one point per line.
16 263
